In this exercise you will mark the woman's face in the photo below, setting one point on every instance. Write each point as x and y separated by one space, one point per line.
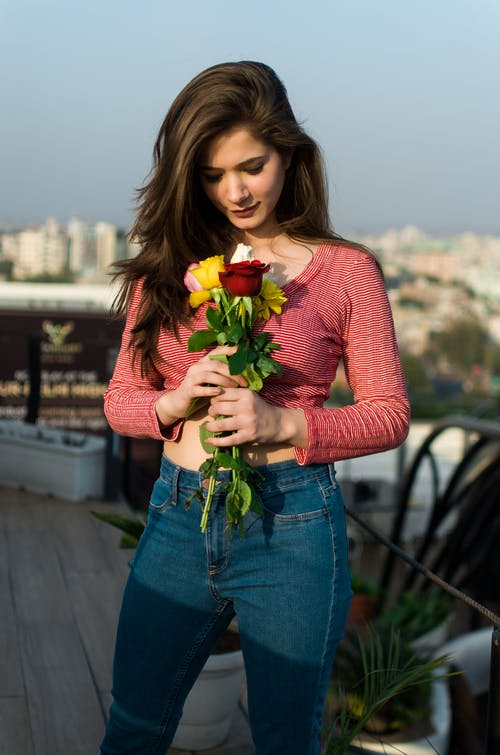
243 177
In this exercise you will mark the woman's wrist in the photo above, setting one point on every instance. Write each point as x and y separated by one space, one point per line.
292 427
166 411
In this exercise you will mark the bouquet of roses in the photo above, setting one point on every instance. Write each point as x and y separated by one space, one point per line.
242 296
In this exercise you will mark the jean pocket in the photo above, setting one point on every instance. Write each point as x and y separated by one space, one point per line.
302 501
162 495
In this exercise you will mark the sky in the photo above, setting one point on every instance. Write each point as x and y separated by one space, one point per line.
403 96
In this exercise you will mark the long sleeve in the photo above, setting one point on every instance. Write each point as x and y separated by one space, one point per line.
129 401
379 418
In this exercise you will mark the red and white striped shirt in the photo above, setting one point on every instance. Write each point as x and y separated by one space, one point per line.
336 308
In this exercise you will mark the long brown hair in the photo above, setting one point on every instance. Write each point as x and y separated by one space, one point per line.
176 224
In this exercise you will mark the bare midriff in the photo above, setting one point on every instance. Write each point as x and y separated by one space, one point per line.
187 450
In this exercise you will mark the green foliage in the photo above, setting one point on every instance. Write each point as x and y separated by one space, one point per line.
464 343
416 613
201 339
381 684
63 276
362 586
416 374
410 303
132 527
231 323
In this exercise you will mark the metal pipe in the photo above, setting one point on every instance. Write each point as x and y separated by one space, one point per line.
493 720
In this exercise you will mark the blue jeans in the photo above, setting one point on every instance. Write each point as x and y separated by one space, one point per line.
287 581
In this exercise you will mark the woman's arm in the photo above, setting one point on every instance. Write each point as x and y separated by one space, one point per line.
130 398
138 405
379 418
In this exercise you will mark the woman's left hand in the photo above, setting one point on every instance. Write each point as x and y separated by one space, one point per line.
250 419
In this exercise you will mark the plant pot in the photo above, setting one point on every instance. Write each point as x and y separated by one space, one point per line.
435 740
432 640
211 704
363 609
56 462
471 652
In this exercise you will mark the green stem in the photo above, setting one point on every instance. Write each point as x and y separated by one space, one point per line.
235 452
210 494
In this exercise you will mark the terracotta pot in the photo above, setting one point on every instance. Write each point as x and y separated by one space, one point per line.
363 609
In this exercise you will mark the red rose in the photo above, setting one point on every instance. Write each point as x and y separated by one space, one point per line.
243 278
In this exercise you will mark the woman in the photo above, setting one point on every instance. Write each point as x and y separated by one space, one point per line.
232 165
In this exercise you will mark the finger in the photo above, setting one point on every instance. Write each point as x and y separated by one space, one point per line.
224 441
227 350
205 391
225 382
226 424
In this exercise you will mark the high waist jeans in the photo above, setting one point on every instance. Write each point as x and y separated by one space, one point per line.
287 581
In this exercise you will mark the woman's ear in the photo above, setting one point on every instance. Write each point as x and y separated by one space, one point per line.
287 158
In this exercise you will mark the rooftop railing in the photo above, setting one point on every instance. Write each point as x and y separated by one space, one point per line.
458 549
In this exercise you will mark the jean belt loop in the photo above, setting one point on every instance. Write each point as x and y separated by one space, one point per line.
332 474
175 483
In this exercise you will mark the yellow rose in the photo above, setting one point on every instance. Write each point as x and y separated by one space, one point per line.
207 273
270 299
199 297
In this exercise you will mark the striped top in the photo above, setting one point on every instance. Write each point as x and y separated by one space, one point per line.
336 308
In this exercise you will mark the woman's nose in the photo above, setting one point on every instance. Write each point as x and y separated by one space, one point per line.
236 189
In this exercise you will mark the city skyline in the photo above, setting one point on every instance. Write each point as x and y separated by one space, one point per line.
83 249
401 97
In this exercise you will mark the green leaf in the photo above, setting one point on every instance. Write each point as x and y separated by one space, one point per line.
209 466
221 338
252 354
260 341
232 507
253 378
245 496
214 318
268 366
192 406
218 357
204 434
131 526
248 304
256 504
235 333
237 362
128 541
226 460
196 495
200 339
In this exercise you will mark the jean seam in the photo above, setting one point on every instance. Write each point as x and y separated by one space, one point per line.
306 516
170 707
333 603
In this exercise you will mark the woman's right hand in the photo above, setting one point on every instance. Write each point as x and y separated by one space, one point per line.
204 380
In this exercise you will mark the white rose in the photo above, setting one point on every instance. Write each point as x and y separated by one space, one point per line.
242 253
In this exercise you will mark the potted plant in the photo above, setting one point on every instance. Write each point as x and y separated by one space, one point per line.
213 700
62 463
365 600
422 618
386 696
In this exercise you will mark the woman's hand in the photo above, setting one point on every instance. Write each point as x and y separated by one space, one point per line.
250 419
205 379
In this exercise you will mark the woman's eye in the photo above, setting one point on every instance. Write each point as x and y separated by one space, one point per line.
211 178
254 171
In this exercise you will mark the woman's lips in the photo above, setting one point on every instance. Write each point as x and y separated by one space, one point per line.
245 213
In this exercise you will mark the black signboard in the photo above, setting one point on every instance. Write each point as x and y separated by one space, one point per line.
65 357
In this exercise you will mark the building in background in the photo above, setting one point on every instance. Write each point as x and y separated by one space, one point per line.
40 251
83 251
